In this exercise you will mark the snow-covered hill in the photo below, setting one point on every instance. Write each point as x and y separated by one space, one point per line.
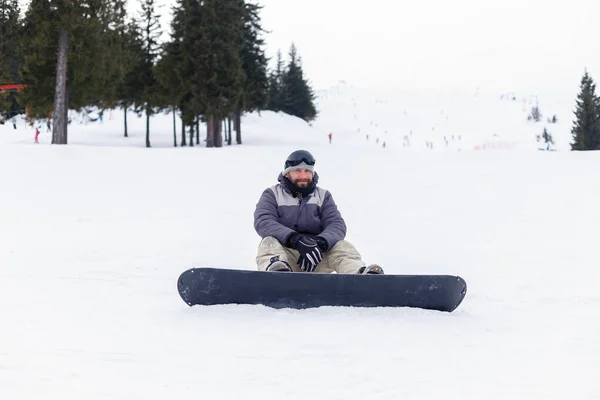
407 121
93 236
448 119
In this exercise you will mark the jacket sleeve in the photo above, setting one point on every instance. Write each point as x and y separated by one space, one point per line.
334 227
266 222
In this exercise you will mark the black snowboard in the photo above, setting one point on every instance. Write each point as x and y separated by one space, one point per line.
209 286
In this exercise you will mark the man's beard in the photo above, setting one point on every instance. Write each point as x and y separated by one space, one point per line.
302 183
302 187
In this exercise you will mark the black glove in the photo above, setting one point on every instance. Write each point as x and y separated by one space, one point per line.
322 243
310 253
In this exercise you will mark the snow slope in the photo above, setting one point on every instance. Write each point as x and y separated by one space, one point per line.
449 119
93 236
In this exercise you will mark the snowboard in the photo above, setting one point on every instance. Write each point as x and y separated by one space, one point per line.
298 290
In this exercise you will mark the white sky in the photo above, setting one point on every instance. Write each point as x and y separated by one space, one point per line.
505 45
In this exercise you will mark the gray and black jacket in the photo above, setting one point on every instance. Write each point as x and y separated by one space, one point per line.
281 211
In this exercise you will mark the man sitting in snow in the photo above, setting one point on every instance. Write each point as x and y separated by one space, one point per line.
301 227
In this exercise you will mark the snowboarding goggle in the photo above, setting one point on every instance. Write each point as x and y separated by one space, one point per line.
294 163
299 157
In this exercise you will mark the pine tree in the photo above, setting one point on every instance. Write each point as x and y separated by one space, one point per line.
129 85
65 40
178 69
254 64
114 58
535 114
547 136
212 62
150 34
9 37
11 55
227 35
39 46
9 12
168 82
548 139
586 127
214 66
82 75
5 78
275 82
297 97
94 57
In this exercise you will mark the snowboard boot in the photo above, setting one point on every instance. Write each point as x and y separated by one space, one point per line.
372 269
278 266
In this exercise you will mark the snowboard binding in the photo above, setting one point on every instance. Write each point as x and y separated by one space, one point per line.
372 269
278 266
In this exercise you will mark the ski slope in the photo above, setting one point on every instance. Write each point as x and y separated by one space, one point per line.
447 118
93 236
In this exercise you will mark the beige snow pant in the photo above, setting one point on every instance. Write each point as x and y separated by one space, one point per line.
342 258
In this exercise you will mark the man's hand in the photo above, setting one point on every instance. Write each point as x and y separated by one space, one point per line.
310 253
322 243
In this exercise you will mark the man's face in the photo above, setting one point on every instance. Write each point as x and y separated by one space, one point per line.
300 177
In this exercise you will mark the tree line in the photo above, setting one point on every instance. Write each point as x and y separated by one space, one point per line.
78 54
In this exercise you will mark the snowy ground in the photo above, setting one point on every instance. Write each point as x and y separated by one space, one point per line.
93 236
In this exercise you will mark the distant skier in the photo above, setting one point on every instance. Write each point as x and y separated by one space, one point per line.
37 134
301 227
329 137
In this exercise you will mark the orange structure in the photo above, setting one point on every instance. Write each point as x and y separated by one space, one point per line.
13 87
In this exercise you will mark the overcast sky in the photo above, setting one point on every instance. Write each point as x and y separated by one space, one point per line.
496 44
